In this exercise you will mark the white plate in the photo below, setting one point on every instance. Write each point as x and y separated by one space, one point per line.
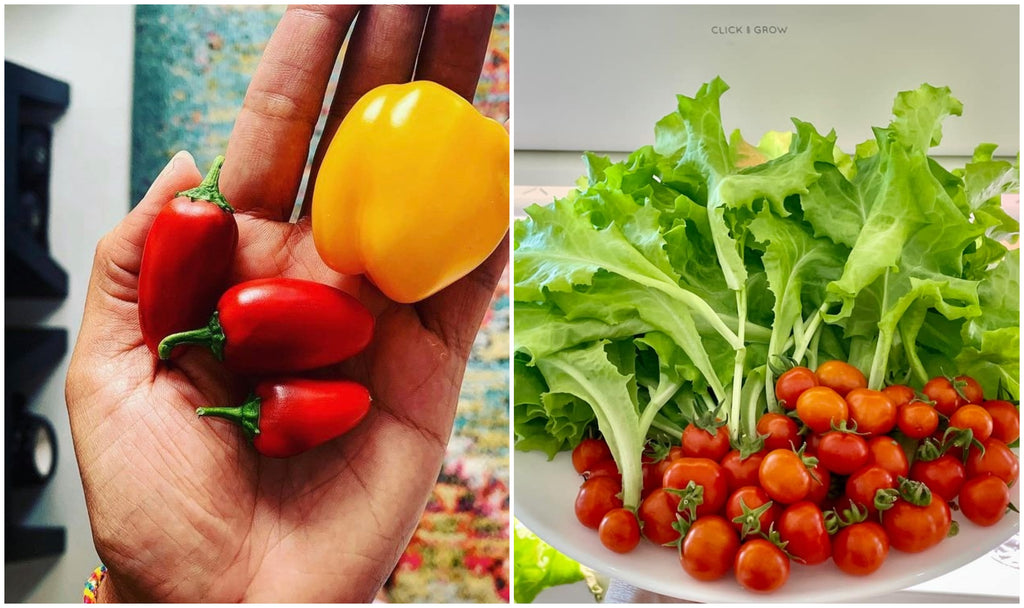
544 496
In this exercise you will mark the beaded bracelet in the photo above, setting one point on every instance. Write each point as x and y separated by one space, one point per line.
93 584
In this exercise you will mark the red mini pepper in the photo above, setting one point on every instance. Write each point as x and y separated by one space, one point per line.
186 260
280 325
286 417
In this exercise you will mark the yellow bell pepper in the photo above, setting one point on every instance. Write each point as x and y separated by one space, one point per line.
413 190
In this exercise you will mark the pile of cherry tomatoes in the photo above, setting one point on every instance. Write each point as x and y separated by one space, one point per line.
846 473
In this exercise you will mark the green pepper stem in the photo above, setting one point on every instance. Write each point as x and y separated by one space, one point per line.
211 336
209 188
246 415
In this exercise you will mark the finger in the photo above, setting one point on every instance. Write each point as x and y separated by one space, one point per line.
112 296
382 50
124 244
455 313
454 46
269 144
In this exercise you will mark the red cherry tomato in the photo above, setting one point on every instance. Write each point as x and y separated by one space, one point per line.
917 420
605 468
802 526
619 530
588 453
940 390
973 417
913 529
873 411
741 472
840 377
887 453
813 442
761 566
652 477
658 512
596 497
862 486
943 476
753 497
781 430
791 383
1005 420
709 548
983 499
900 394
784 476
997 459
821 482
698 443
703 472
820 407
842 453
861 548
970 388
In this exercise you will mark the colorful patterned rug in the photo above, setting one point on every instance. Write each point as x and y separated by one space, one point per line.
192 67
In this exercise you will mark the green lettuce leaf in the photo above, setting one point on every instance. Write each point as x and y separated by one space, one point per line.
538 566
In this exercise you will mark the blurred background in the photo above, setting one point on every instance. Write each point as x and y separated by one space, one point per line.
100 99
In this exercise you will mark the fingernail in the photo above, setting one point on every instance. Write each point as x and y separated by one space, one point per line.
176 162
179 160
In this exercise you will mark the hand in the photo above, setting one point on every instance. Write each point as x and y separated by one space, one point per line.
182 508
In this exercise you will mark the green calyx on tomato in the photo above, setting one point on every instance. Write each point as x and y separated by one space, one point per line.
656 450
690 497
750 519
914 492
928 450
836 520
775 537
682 526
780 364
749 445
960 438
885 498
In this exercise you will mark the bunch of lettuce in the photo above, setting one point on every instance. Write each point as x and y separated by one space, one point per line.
670 285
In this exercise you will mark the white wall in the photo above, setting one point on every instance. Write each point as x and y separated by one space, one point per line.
599 77
90 48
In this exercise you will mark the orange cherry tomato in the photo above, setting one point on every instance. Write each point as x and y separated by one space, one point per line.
840 376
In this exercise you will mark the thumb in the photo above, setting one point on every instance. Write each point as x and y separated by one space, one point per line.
115 270
129 237
111 302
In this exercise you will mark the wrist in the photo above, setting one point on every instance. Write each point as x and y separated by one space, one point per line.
100 588
107 591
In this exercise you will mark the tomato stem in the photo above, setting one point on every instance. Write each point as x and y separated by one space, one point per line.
915 492
690 497
209 189
246 415
750 519
885 498
211 336
928 450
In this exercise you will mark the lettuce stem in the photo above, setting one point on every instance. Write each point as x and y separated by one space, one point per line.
736 420
665 425
810 333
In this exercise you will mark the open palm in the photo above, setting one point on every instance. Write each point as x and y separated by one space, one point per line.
183 509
